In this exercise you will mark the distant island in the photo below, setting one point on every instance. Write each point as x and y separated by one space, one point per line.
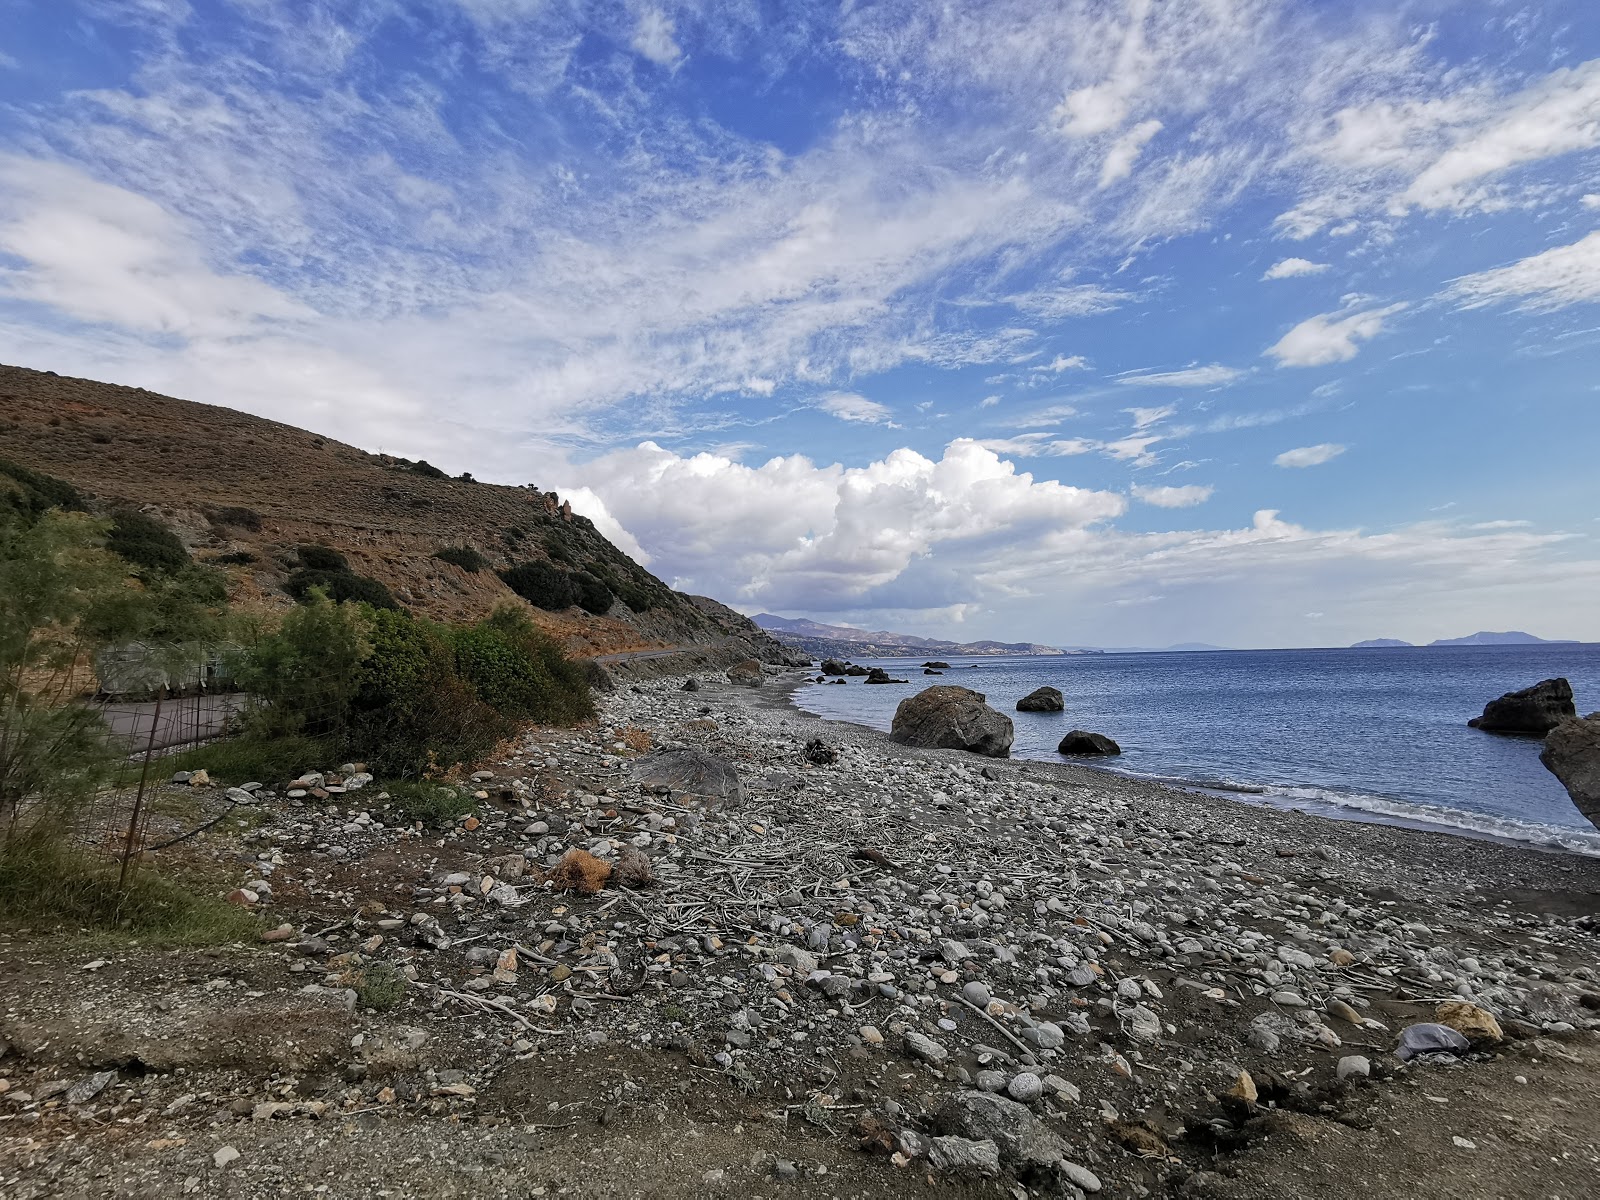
1512 637
824 640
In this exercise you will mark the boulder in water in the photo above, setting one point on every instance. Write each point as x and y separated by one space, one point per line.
832 666
944 717
937 665
879 675
1082 742
1572 754
690 772
1042 699
1533 710
852 669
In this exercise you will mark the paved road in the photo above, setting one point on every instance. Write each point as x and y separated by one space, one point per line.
182 722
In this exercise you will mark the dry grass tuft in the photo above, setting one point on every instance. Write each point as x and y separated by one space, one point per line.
581 872
633 869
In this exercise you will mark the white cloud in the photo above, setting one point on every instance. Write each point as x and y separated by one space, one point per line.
1074 300
1215 375
1174 497
989 402
654 37
1125 152
1329 337
1309 456
1062 362
1145 417
849 406
1590 200
1289 268
1552 279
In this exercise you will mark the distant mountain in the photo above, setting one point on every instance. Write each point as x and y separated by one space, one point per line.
822 640
1381 644
1511 638
1176 648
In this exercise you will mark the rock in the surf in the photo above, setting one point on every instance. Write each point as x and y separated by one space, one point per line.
832 666
1042 699
1534 710
945 717
1572 754
1082 742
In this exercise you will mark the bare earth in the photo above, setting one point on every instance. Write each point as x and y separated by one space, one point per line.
682 1040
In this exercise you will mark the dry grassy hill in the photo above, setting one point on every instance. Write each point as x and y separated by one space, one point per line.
234 485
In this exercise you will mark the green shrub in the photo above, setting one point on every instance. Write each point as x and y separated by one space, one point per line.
146 542
340 586
307 672
592 595
423 467
433 804
541 585
380 986
253 758
235 558
322 558
30 493
520 672
558 552
465 557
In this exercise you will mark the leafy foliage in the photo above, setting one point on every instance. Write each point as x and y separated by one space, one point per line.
30 494
433 804
541 585
234 558
239 518
521 672
146 542
322 558
592 595
465 557
340 586
423 467
306 672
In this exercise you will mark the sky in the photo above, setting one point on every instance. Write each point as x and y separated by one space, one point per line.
1116 322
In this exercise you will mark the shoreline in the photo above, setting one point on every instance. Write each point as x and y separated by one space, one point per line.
1263 797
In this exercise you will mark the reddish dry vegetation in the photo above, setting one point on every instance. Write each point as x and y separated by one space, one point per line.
581 872
232 484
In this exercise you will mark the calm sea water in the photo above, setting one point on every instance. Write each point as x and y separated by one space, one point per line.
1362 734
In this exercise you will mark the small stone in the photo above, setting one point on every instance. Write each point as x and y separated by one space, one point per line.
871 1035
1464 1143
990 1081
1338 1008
1353 1064
1025 1088
976 993
224 1156
920 1046
1244 1089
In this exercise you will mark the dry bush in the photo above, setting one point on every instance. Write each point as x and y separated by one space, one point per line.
636 739
581 872
633 869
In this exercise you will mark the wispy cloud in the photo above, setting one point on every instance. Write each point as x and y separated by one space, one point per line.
1552 279
1309 456
1174 497
1215 375
851 406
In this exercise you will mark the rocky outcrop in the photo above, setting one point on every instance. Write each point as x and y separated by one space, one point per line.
683 771
832 666
1042 699
879 675
1082 742
746 674
1533 710
854 670
1572 754
945 717
936 665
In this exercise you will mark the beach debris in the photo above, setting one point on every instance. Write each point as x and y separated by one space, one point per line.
581 872
818 753
1429 1038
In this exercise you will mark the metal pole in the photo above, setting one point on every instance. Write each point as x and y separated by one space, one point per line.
138 799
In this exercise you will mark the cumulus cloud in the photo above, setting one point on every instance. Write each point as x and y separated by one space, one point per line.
1215 375
1552 279
1289 268
850 406
1329 337
1309 456
1125 152
1174 497
654 37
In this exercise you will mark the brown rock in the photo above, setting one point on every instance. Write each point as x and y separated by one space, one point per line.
746 674
945 717
1477 1025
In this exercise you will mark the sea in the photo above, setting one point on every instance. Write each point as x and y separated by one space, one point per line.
1367 735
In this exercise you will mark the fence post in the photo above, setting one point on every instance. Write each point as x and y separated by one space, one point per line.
138 799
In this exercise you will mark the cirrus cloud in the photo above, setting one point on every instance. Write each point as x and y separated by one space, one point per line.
1309 456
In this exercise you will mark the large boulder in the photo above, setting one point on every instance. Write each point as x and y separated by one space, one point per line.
746 674
879 675
1026 1144
852 669
1572 754
1081 741
945 717
1535 710
1042 699
684 771
936 665
832 666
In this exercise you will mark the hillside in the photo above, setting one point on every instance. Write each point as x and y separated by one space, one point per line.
247 492
813 637
1514 637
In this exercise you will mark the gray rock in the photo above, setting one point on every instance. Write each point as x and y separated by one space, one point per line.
746 674
803 962
1572 754
1353 1064
981 1157
1082 742
691 772
945 717
990 1081
976 993
87 1088
1025 1142
1042 699
1025 1088
921 1046
1534 710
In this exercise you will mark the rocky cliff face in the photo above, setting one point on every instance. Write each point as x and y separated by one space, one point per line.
247 492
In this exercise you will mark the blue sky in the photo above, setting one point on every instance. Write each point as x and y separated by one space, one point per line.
1249 322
